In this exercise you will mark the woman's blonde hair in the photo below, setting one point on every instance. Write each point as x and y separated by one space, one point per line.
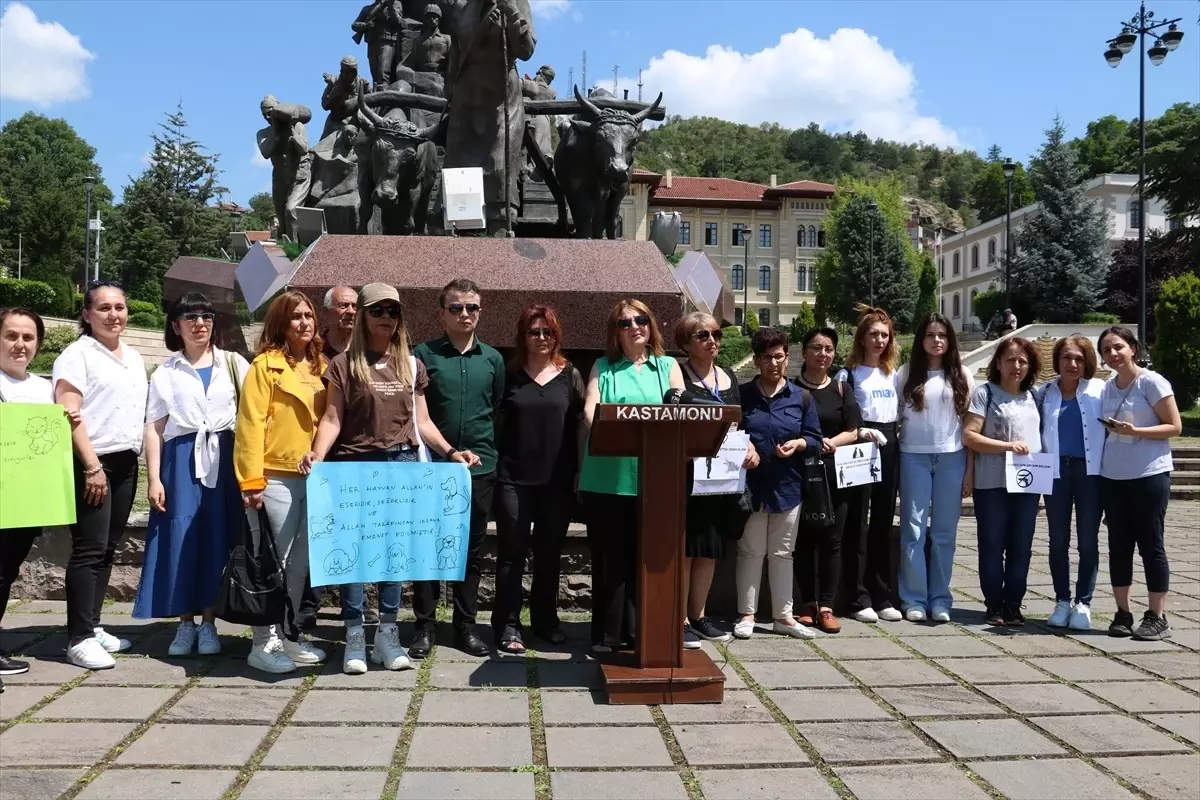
612 339
398 351
690 324
868 316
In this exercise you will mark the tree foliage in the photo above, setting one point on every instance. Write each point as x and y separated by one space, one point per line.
1166 257
1062 265
987 303
989 192
1173 165
262 211
802 323
927 288
1110 145
1177 350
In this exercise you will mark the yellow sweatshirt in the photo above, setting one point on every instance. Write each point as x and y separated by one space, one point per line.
277 419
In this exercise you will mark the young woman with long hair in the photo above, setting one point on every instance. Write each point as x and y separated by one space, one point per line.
868 567
935 470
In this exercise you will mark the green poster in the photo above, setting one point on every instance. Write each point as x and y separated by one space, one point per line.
37 485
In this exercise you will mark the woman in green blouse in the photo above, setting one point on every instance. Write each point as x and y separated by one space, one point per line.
634 369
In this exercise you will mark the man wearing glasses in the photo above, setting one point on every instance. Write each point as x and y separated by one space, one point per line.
466 386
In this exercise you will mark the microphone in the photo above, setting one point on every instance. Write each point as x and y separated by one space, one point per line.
686 397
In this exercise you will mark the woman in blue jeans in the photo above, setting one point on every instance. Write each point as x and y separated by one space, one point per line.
1003 418
1073 433
935 470
376 412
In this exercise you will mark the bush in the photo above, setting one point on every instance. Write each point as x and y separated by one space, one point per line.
734 347
1100 318
802 323
751 322
905 353
34 295
1177 346
57 339
987 303
144 319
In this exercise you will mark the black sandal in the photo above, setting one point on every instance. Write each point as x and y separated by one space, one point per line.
510 642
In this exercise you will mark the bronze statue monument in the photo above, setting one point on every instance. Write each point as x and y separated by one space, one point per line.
285 142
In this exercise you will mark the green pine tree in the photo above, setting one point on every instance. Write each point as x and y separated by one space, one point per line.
802 323
1062 266
927 286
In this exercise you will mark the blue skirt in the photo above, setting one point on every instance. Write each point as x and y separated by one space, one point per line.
188 544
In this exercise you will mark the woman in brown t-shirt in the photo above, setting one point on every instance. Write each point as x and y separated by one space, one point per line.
376 412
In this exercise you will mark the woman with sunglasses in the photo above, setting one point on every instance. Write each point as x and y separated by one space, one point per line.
711 519
196 508
375 411
634 369
539 428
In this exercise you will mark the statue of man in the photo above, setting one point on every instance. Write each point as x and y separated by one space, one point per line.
285 142
538 88
380 23
486 115
340 97
431 51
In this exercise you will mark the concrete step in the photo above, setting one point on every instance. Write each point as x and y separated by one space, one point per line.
1185 478
1186 465
1185 451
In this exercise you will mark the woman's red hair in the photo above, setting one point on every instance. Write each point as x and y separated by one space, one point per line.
525 322
275 330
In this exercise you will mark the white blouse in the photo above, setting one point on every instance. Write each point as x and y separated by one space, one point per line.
113 386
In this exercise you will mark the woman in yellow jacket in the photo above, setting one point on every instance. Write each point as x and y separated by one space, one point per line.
282 400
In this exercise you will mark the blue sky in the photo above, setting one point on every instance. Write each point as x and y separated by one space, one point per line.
953 72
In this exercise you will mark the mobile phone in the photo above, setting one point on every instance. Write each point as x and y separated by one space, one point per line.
1109 421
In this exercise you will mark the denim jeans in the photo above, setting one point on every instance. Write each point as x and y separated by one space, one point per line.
1074 488
389 591
1005 528
929 480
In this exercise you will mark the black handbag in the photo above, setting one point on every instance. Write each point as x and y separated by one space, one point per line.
253 591
816 508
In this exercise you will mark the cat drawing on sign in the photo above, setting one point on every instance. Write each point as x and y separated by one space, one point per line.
320 527
456 502
447 550
339 562
41 438
397 560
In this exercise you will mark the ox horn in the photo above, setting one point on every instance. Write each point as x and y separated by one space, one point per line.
641 116
589 107
365 110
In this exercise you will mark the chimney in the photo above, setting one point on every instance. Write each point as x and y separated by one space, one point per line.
773 182
669 177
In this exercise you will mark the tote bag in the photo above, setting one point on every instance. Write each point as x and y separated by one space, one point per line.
252 586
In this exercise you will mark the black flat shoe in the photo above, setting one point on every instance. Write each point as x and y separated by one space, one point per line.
422 644
552 635
12 666
471 644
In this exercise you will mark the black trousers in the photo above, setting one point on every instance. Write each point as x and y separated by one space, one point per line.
1136 511
817 562
612 538
426 594
871 559
94 539
14 547
526 516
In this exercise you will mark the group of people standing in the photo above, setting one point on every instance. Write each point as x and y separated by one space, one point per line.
229 443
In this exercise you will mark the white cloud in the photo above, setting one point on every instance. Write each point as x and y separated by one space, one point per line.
40 62
549 9
848 82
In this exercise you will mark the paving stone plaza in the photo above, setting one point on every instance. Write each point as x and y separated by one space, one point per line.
888 711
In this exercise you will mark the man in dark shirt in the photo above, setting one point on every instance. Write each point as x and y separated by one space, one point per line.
341 306
466 386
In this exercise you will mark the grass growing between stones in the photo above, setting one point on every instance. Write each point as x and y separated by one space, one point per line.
285 716
400 754
690 781
537 729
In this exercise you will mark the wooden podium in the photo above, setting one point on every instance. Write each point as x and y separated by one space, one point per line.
663 438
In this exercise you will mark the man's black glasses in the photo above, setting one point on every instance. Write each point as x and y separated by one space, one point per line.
626 323
379 311
458 308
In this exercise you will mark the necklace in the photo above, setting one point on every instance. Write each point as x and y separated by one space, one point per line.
715 389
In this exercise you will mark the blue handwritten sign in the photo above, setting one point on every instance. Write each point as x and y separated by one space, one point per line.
370 521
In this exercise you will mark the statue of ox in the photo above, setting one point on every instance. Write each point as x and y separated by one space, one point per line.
594 164
399 172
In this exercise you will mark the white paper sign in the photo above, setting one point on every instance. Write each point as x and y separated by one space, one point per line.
857 464
723 473
1031 474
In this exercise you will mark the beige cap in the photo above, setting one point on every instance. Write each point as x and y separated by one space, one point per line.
375 293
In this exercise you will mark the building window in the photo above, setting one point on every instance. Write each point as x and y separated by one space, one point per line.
991 252
800 239
812 278
971 304
957 266
685 233
736 275
1135 214
801 278
974 257
812 236
764 318
1174 224
620 233
710 234
942 306
821 237
764 278
942 267
957 306
740 231
764 235
737 317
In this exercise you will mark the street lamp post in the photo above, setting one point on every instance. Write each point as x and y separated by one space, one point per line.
88 182
1134 32
1009 169
746 282
873 208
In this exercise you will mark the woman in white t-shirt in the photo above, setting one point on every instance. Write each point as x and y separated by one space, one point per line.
867 569
935 470
105 380
1138 408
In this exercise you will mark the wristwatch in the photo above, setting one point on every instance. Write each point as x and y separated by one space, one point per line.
450 453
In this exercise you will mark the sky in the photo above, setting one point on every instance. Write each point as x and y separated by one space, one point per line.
961 73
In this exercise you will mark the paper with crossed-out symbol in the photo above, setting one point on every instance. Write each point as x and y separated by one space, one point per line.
1031 474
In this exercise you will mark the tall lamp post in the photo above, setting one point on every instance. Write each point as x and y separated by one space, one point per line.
1134 32
88 182
1009 169
746 281
873 208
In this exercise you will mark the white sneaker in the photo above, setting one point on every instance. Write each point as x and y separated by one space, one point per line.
210 643
940 614
795 630
1081 618
890 614
271 657
1060 615
90 654
386 649
302 652
111 643
354 660
743 630
184 641
867 615
915 614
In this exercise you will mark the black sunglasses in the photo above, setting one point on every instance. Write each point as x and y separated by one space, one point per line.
626 323
197 316
379 311
540 333
705 335
458 308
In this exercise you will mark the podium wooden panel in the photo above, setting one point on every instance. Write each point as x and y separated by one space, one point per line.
663 438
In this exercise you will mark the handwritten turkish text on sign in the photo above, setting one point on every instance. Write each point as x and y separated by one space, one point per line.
1031 474
371 521
857 464
37 481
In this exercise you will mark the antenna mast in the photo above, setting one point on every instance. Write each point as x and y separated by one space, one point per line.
615 68
583 79
639 86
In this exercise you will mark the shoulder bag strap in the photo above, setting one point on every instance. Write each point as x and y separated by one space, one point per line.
231 369
422 450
